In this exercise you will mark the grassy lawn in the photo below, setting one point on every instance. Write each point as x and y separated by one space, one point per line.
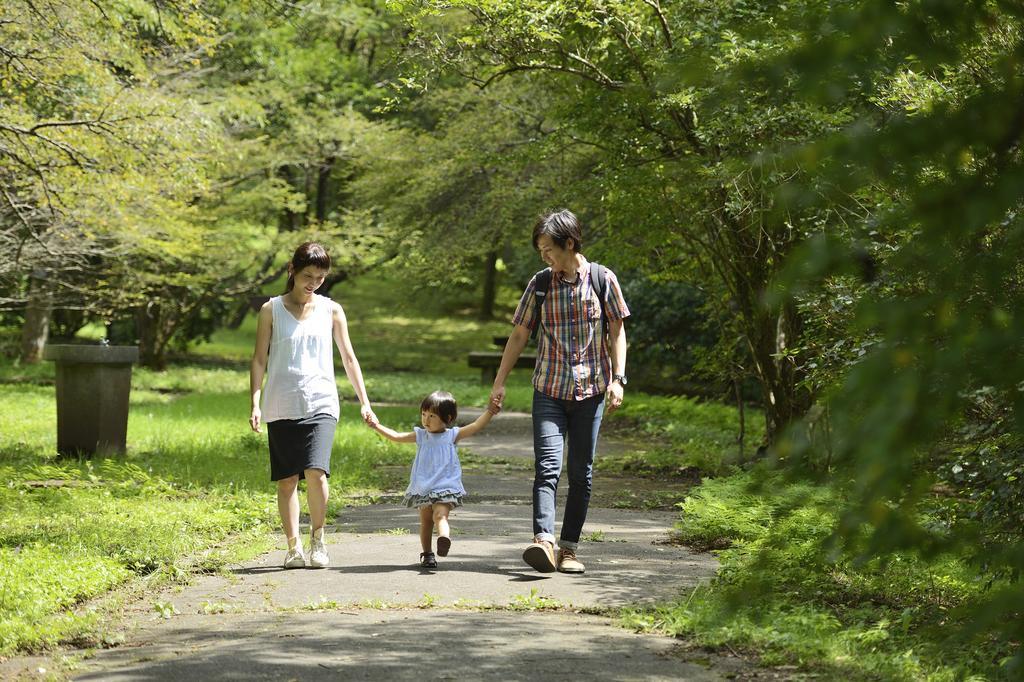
682 435
194 474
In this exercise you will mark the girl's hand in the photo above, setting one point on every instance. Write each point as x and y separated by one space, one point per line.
254 419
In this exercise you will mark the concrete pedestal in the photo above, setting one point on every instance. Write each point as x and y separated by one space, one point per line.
93 383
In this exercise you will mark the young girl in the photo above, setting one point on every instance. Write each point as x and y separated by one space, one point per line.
435 483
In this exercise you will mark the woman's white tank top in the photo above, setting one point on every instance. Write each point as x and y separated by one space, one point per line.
300 372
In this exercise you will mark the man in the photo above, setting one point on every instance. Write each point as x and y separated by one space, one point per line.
581 364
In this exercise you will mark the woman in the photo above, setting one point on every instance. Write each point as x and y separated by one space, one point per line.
300 403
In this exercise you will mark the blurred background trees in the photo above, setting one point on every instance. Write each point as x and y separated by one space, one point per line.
812 206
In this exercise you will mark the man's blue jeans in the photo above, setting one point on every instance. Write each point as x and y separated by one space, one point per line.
554 421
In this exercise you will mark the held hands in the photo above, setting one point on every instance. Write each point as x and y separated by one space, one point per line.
497 400
366 412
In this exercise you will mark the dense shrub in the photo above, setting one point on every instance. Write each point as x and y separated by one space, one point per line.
668 332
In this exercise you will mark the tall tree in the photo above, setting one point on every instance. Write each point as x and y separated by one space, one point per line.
90 143
459 178
673 184
314 77
937 162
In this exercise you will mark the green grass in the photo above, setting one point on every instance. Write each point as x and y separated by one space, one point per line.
781 597
682 434
194 474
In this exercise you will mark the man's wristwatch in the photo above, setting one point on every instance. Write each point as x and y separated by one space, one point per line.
621 378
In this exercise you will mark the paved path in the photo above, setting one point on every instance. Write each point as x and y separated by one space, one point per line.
481 615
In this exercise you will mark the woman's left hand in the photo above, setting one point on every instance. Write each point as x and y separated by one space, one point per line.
613 396
366 412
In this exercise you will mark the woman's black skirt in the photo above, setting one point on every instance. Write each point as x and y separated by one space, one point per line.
300 444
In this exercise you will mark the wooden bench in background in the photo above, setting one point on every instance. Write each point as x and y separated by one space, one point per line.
489 360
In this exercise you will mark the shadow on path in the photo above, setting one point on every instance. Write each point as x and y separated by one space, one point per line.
374 614
403 645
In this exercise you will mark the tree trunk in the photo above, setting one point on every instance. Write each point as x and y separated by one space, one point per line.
770 334
323 185
336 277
490 286
290 220
242 309
742 261
741 437
148 328
309 187
64 324
36 330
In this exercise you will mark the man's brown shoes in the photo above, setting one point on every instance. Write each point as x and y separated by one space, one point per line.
541 556
568 563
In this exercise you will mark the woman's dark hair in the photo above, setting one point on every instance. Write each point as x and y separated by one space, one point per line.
308 254
561 226
441 403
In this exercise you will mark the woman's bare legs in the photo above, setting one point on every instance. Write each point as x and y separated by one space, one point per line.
317 493
288 505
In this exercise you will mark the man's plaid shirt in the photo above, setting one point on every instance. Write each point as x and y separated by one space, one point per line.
573 361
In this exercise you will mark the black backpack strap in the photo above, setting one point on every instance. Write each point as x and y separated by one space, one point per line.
599 279
541 284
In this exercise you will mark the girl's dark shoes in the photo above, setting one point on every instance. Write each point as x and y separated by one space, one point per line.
444 544
428 560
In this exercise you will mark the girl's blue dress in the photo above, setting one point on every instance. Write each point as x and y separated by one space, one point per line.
436 474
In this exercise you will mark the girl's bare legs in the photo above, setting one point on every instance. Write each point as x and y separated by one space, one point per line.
426 528
288 505
440 519
316 495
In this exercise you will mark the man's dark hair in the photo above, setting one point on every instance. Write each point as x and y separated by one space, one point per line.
561 226
441 403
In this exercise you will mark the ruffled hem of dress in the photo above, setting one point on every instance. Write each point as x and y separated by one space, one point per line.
445 496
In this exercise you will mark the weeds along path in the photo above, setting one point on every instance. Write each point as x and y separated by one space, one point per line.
481 615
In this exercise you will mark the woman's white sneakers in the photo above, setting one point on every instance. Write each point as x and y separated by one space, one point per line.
318 552
294 558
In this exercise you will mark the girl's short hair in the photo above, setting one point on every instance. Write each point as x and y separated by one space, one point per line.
307 254
561 226
441 403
